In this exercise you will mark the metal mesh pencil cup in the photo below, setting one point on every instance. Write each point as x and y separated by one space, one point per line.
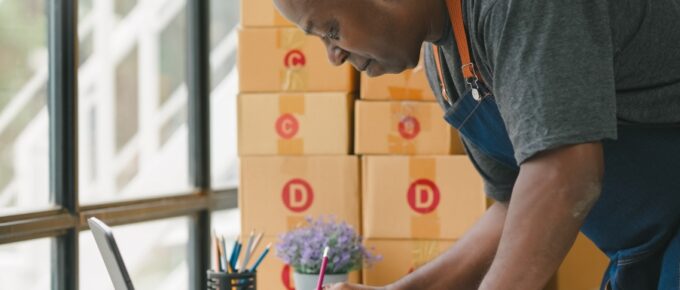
231 281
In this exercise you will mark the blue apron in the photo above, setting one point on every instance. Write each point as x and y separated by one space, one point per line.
636 220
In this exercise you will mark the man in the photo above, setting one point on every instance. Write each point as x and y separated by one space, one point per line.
574 124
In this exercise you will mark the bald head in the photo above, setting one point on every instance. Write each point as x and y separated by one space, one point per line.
378 36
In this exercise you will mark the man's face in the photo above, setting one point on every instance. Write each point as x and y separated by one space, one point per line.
376 36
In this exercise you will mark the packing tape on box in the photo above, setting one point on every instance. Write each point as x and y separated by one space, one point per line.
290 147
425 221
406 126
293 74
292 168
424 251
292 106
295 221
406 92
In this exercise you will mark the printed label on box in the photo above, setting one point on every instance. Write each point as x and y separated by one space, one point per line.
297 195
409 127
423 196
287 126
294 58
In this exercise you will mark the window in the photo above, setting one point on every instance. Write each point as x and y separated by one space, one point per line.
18 271
24 158
133 100
223 92
227 223
104 112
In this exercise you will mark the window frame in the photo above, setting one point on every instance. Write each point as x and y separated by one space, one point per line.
66 218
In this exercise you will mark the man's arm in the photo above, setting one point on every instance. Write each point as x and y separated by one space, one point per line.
553 194
463 265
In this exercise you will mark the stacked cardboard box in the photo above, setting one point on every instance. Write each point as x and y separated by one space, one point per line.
398 114
583 267
294 134
414 207
419 192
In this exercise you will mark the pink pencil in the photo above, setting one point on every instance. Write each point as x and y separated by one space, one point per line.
322 272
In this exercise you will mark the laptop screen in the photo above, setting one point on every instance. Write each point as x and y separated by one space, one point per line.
111 255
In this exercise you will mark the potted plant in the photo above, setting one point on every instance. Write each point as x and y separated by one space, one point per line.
302 249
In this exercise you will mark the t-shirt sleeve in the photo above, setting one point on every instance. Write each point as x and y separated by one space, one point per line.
499 179
553 72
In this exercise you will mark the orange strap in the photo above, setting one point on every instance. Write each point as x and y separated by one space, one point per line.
455 8
456 15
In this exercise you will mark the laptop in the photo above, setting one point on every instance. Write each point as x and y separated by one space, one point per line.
111 255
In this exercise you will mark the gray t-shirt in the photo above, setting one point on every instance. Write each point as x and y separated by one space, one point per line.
567 72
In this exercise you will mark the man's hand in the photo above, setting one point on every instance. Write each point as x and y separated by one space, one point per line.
347 286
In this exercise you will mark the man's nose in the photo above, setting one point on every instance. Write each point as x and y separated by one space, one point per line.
337 56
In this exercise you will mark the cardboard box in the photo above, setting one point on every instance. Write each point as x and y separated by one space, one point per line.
277 193
583 267
262 13
428 197
408 85
273 274
294 124
403 127
286 60
400 257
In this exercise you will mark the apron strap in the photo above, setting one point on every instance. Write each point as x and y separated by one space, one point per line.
456 16
455 8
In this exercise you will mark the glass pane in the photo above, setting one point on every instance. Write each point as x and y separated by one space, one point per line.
132 99
227 223
25 265
24 143
123 7
84 8
224 19
155 254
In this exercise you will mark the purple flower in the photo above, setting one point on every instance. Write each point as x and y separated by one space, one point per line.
303 247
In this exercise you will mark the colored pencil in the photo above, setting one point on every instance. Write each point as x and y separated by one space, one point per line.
225 256
246 254
217 252
234 254
256 243
259 260
322 271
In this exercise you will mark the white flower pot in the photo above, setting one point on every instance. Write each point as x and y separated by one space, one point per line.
308 281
